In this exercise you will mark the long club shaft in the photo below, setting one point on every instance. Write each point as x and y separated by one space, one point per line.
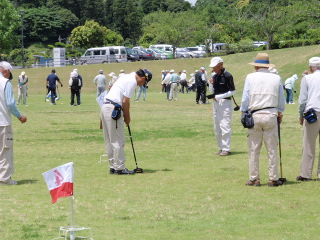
134 153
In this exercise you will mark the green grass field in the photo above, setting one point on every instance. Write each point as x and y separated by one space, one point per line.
186 192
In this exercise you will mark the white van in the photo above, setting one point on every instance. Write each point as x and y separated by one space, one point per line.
98 55
163 47
120 53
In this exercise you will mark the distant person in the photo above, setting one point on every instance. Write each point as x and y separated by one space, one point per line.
113 128
75 86
100 81
81 80
191 83
113 79
142 89
167 82
224 89
52 85
7 107
309 100
263 95
163 85
201 85
22 88
273 70
173 81
289 86
121 73
183 81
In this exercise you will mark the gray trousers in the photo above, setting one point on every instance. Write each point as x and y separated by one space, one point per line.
6 153
114 137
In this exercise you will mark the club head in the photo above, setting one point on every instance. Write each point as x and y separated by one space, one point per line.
282 180
138 170
237 108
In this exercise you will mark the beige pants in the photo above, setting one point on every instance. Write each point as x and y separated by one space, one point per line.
310 134
6 153
173 91
114 137
265 129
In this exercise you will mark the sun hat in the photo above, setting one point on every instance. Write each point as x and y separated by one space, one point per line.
172 71
112 74
215 61
262 60
314 62
203 68
295 77
5 65
23 73
184 71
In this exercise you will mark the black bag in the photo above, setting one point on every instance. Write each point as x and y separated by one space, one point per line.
116 113
247 119
311 115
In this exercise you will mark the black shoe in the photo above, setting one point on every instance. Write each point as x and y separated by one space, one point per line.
299 178
112 170
123 172
273 183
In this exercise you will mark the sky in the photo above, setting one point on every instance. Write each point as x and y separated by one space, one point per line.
192 1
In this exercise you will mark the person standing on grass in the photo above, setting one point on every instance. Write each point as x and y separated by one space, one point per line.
100 81
223 87
173 81
310 99
142 89
75 86
113 128
183 81
201 85
263 94
52 85
163 85
7 107
289 86
22 88
166 81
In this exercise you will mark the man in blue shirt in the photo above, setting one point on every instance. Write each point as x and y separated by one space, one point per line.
51 85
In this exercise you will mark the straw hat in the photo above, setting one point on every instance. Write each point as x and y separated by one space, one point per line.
262 60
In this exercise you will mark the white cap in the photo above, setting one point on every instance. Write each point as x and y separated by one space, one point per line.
314 62
5 65
122 71
215 61
112 74
172 71
203 68
101 71
23 73
184 71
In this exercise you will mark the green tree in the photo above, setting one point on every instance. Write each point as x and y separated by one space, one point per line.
91 34
10 22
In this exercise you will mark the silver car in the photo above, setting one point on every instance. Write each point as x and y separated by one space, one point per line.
158 54
181 53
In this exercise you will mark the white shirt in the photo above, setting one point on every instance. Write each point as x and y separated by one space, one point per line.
310 93
123 87
183 76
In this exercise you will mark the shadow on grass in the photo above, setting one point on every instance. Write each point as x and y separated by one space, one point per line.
27 181
154 171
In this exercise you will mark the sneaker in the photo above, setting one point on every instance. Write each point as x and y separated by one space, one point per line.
9 182
292 103
123 172
224 153
136 100
255 183
299 178
218 153
57 99
273 184
112 170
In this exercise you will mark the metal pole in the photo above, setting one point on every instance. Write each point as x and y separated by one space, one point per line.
72 235
22 45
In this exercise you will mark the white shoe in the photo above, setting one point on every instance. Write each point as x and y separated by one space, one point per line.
292 103
10 182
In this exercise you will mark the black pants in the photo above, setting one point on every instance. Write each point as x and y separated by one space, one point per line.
77 93
53 94
201 93
184 85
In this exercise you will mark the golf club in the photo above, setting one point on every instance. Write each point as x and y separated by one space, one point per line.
137 170
58 93
236 108
281 179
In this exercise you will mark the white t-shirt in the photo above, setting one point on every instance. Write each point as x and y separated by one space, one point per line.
124 86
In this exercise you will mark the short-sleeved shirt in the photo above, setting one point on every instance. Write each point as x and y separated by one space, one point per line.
52 78
223 82
123 87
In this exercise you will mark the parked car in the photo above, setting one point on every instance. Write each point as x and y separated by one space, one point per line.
132 55
181 53
199 50
157 53
138 48
193 54
144 55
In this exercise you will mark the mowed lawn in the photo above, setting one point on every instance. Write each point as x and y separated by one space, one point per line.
186 192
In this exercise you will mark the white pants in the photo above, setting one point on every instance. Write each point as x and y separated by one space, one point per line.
265 129
173 91
222 113
22 94
6 153
114 137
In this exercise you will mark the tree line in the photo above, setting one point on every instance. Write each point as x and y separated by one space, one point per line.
91 23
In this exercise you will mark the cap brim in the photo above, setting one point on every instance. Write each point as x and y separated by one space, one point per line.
10 77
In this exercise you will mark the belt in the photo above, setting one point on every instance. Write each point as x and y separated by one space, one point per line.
108 101
228 98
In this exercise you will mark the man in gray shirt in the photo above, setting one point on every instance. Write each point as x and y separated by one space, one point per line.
100 81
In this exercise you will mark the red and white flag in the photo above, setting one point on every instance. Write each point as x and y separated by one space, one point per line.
60 181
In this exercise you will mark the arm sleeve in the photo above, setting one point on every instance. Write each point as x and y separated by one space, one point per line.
10 102
245 97
303 97
281 100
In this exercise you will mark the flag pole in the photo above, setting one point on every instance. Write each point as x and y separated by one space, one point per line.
72 236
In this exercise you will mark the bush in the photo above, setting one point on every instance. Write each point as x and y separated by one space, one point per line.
298 43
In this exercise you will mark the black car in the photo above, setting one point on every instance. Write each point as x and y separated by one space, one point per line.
145 55
132 55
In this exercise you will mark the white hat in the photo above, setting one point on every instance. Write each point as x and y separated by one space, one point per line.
314 62
122 71
163 71
75 70
192 74
5 65
184 71
74 74
203 68
215 61
273 70
101 71
295 77
23 73
112 74
171 71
